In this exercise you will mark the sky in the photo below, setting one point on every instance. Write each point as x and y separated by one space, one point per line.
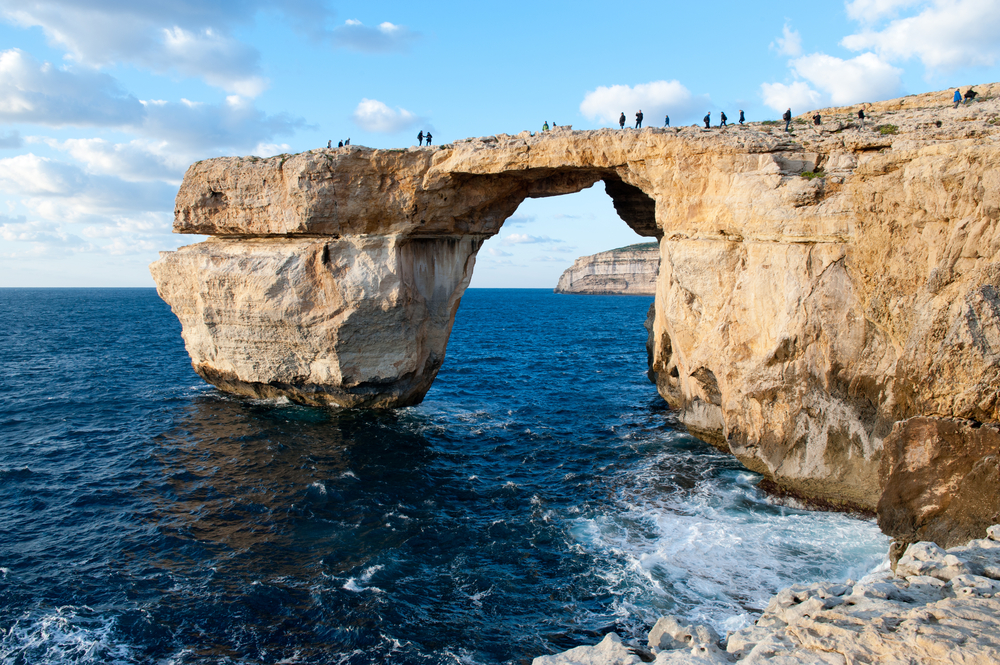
104 103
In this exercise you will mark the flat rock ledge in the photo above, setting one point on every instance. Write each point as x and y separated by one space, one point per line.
939 606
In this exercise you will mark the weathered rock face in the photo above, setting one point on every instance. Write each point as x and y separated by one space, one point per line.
797 318
628 270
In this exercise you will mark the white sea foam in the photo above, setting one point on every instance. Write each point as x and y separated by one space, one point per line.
64 635
717 553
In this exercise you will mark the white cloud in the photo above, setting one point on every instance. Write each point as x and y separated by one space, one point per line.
135 161
385 38
947 35
498 252
236 124
655 99
870 11
59 191
790 43
525 239
38 93
188 37
865 78
797 95
834 81
374 116
47 235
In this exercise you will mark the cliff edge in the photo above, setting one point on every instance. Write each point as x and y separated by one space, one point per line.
827 307
628 270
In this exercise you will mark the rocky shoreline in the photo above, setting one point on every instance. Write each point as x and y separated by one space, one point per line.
935 606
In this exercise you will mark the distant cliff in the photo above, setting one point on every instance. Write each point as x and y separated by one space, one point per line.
629 271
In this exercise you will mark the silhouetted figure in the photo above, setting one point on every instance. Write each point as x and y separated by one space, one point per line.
861 116
638 119
666 121
722 118
329 144
707 119
420 137
787 117
958 98
340 144
545 126
817 120
428 137
621 120
347 142
741 117
970 95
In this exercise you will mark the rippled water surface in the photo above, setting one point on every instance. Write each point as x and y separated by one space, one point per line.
541 496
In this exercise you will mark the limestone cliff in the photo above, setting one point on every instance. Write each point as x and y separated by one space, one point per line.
826 309
624 271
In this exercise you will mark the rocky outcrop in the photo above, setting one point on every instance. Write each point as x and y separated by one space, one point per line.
936 607
624 271
815 288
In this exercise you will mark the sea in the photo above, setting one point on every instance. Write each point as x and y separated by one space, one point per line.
541 496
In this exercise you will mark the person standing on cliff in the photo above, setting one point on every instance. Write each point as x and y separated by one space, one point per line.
666 121
741 117
958 98
970 95
723 118
428 137
621 120
545 126
817 119
708 119
638 119
420 137
340 144
787 117
861 116
329 144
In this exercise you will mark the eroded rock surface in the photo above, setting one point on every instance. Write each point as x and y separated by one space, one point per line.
815 288
939 607
628 270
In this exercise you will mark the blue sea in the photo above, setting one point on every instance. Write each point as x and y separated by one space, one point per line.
541 495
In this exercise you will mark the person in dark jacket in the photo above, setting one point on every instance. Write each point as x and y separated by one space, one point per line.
958 98
723 118
428 137
666 121
329 144
741 117
970 95
817 120
621 120
340 144
708 119
861 116
420 137
638 119
787 117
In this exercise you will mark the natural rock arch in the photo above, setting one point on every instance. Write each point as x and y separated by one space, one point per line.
798 321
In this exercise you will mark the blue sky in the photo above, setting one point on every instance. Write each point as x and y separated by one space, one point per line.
104 103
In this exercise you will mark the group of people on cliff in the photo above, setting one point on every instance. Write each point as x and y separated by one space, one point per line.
970 96
424 136
340 144
666 119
